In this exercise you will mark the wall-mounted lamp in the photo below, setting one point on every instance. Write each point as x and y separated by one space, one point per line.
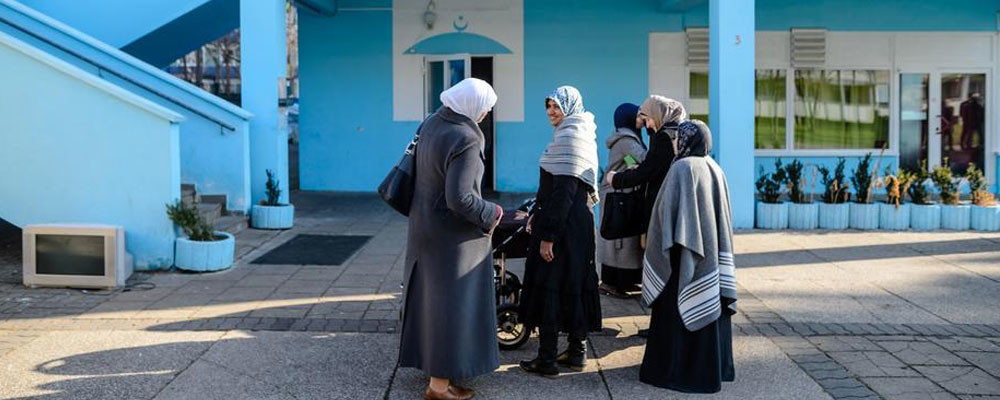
429 15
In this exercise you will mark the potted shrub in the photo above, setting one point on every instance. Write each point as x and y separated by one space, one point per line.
802 212
200 249
954 214
772 213
834 212
894 214
924 214
985 215
270 213
864 211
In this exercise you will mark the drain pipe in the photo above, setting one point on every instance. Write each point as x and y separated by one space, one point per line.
311 6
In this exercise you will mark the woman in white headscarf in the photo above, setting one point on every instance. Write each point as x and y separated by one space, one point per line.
449 315
560 278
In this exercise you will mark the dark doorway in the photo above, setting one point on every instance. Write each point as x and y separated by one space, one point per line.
482 68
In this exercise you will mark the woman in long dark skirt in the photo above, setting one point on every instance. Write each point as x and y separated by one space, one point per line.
449 314
689 275
560 278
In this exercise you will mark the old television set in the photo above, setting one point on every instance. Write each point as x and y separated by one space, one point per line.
75 255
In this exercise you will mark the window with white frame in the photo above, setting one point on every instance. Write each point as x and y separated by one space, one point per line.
841 109
836 109
770 109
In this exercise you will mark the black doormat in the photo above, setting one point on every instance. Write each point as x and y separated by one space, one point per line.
314 250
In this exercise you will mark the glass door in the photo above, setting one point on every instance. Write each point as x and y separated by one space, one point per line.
962 129
942 119
441 73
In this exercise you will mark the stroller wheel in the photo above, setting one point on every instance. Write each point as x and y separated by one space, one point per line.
511 332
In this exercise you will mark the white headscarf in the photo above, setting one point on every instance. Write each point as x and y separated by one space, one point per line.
471 97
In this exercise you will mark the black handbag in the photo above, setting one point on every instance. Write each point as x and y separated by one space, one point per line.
624 214
397 188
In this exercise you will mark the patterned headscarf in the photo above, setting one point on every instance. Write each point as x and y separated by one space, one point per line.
694 139
568 99
663 112
471 97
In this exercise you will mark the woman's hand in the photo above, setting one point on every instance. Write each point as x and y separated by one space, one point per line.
609 177
545 250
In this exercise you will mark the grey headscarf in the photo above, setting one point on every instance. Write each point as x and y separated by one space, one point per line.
573 150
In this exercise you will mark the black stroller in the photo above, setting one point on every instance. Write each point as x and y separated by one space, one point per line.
510 241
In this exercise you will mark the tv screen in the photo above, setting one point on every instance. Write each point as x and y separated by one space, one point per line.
69 255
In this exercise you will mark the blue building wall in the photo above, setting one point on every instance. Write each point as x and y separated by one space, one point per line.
63 165
349 140
115 22
213 158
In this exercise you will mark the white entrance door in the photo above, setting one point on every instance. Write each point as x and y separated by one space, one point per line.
440 73
942 118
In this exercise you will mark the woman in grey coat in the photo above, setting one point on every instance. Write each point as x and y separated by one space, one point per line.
621 259
449 315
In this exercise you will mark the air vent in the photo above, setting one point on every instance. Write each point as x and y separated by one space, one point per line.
808 48
697 47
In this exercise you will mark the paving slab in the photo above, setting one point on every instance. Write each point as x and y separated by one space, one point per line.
99 364
763 371
510 382
290 365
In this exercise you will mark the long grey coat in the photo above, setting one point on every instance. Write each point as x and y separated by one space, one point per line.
449 315
621 253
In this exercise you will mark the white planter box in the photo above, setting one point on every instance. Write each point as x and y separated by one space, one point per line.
956 218
985 218
894 218
925 217
834 216
772 216
216 255
864 216
803 216
272 217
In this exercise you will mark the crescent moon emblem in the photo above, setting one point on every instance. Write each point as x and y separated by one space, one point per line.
460 28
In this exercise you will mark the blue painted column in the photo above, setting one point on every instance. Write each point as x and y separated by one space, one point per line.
731 99
263 54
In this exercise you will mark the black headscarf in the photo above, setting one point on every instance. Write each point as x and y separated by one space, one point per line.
693 139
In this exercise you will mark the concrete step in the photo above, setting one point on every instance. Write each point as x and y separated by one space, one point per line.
188 193
210 211
233 224
219 199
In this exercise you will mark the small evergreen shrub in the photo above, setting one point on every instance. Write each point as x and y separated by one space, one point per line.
835 184
770 184
979 188
186 217
918 188
863 180
796 182
946 183
273 191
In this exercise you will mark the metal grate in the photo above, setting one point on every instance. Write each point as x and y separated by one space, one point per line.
697 47
808 48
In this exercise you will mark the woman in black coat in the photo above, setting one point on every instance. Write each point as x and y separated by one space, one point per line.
560 278
661 117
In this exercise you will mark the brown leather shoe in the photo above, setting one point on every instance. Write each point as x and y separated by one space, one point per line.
452 393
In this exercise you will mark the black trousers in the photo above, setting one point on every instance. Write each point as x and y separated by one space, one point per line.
548 342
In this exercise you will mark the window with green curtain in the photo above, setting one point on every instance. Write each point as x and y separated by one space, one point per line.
697 105
769 109
841 109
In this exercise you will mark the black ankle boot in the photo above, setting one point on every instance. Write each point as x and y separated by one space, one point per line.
575 356
539 367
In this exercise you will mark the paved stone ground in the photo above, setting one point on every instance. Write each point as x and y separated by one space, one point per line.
841 315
